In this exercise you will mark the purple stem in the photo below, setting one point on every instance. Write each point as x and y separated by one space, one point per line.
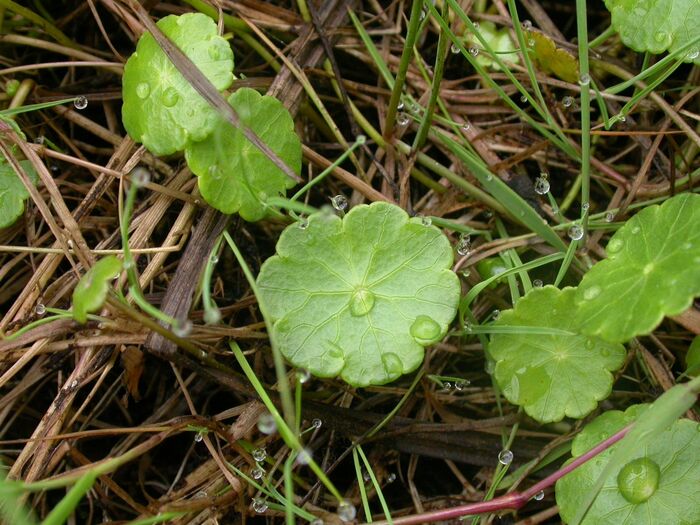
515 500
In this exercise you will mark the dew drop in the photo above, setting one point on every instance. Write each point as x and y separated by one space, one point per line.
214 258
638 480
425 330
81 102
304 457
316 423
366 477
74 383
198 437
347 511
266 423
303 223
567 101
621 117
392 364
467 326
505 457
400 106
523 98
635 230
391 478
201 494
259 454
361 302
474 51
40 309
170 97
339 202
257 472
461 384
584 79
259 505
542 184
539 496
614 246
402 119
317 521
454 48
575 232
609 217
496 315
303 375
183 328
660 36
464 244
591 293
143 90
527 25
466 126
537 283
447 386
140 176
466 273
212 315
425 220
40 140
693 54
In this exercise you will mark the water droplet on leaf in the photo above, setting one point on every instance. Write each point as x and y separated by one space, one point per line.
591 293
505 457
693 54
575 232
474 51
537 283
392 364
303 375
425 330
40 309
347 511
638 480
339 202
303 223
81 102
361 302
539 496
259 505
214 53
143 90
615 245
259 454
496 315
170 97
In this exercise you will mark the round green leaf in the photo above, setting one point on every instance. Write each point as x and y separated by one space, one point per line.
91 291
359 297
552 375
12 191
657 25
652 270
161 109
659 485
234 175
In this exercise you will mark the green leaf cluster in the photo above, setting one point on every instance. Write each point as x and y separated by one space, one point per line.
652 270
660 483
91 291
359 297
658 25
12 191
165 113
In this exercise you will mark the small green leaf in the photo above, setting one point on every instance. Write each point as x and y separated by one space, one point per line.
91 291
657 25
12 191
161 109
550 58
500 42
652 270
692 358
234 175
555 375
360 297
660 484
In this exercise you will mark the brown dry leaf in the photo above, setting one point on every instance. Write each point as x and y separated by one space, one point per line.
132 361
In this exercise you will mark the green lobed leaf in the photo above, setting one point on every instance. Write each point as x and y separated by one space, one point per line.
234 175
12 191
652 270
360 297
660 483
552 59
657 25
552 375
161 109
91 291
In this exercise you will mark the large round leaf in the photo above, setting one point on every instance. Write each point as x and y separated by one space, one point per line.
659 485
360 297
652 270
234 175
657 25
161 109
552 375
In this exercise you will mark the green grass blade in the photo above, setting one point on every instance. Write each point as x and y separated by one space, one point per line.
70 501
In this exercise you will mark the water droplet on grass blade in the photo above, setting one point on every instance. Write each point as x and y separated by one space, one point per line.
609 217
257 472
81 102
505 457
303 375
402 119
339 202
183 328
316 423
40 309
466 126
584 79
575 232
539 496
693 54
198 437
347 511
140 176
259 454
266 423
474 51
464 244
542 184
259 505
212 315
454 48
537 283
317 521
304 457
567 101
496 315
391 478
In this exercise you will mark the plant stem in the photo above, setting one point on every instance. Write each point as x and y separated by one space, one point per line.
585 82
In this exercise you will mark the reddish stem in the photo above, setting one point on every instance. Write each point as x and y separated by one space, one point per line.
514 500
